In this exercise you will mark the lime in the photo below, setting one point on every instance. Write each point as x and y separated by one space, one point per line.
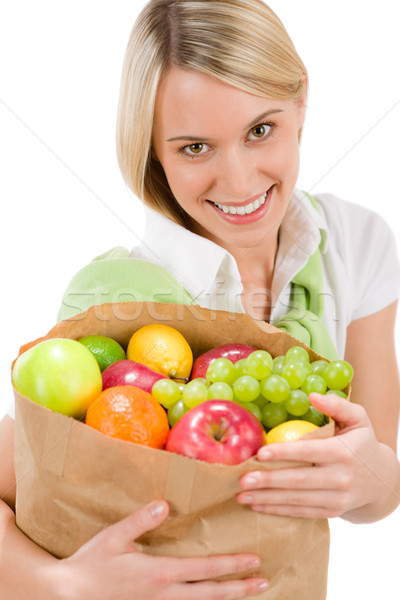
105 350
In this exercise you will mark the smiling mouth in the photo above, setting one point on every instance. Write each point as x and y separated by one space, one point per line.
242 210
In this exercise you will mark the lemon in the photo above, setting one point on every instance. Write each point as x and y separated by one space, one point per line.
289 431
163 349
105 350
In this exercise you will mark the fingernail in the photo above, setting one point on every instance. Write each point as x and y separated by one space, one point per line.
249 482
265 454
263 586
156 509
246 499
254 563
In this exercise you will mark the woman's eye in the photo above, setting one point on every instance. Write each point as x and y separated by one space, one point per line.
259 131
196 148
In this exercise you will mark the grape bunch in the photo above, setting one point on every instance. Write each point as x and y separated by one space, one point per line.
275 390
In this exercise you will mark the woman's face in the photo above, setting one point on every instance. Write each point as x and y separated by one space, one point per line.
231 158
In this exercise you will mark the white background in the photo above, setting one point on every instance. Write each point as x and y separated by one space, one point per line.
63 200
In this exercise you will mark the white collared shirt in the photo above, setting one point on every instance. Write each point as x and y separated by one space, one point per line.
359 255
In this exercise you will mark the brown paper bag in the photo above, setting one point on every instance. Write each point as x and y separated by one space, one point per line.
72 481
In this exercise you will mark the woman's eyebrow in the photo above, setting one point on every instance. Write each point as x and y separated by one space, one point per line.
263 116
188 138
193 138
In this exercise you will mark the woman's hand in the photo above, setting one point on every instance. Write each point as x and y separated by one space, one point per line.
346 472
111 567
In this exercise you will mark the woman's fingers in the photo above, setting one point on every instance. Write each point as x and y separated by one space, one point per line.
347 414
315 451
110 565
204 568
303 512
170 570
328 499
120 537
223 590
307 478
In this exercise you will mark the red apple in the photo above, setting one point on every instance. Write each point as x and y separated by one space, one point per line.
217 431
232 351
130 372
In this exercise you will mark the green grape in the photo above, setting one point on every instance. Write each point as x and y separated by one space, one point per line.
238 369
298 403
314 416
338 374
246 388
176 412
194 393
296 354
221 369
277 364
199 380
258 364
338 393
295 374
273 414
314 383
265 357
307 368
166 392
253 408
275 388
260 401
293 418
220 391
181 385
318 366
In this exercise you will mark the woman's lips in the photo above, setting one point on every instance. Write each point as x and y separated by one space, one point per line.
243 219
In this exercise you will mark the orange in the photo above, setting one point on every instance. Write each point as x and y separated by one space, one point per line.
105 350
289 431
129 413
163 349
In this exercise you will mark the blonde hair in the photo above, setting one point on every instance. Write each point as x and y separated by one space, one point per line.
240 42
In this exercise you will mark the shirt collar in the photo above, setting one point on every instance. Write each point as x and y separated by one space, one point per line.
194 261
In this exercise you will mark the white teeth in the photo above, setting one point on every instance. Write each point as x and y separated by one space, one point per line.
242 210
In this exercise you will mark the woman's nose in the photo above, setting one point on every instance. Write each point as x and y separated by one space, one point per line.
235 174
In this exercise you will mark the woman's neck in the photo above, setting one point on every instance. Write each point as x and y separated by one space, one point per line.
257 262
256 267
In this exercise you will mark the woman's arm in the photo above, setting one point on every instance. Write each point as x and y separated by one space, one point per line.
370 349
109 566
356 474
26 571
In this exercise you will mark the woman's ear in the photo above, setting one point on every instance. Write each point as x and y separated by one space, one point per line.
304 81
302 104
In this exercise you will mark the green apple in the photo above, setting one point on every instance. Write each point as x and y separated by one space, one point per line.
60 374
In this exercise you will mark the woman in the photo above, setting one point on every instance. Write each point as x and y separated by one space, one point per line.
229 104
212 104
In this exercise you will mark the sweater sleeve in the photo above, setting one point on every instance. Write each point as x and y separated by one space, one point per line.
116 277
